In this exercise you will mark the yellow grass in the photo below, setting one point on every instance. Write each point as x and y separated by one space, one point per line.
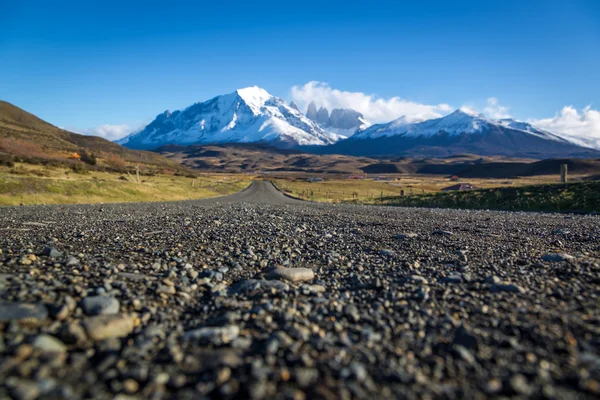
336 190
33 184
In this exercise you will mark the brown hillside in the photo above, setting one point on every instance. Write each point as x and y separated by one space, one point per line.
23 134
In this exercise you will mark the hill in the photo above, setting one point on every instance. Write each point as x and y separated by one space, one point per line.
458 133
260 157
28 137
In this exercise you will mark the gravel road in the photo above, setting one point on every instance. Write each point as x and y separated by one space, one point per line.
257 295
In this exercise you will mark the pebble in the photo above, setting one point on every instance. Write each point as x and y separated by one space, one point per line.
100 305
291 274
557 257
506 287
403 236
51 252
215 335
23 312
103 327
441 232
50 344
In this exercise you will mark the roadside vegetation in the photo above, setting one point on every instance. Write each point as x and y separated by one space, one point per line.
24 183
571 197
369 190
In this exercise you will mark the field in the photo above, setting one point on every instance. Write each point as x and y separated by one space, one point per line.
34 184
369 190
571 197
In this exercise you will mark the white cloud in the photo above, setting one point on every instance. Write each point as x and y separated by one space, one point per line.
375 109
495 110
108 131
582 127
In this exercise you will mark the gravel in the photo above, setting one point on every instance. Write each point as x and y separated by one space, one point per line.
257 295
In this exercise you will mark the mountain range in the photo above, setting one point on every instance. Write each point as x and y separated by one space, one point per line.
244 116
252 115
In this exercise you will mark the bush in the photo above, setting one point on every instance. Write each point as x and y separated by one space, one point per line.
88 158
80 169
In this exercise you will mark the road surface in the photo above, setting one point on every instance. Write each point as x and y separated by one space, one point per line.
256 295
259 192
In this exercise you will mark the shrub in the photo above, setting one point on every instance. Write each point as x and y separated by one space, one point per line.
80 169
88 158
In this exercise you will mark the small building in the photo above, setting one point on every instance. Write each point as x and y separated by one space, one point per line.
454 178
460 186
314 180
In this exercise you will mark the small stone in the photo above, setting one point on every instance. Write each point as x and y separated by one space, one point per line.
48 344
24 260
166 289
108 326
419 279
464 354
519 384
291 274
305 376
452 278
131 385
465 338
73 333
250 285
51 252
493 386
557 257
216 335
351 312
100 305
403 236
441 232
25 390
72 261
23 312
312 289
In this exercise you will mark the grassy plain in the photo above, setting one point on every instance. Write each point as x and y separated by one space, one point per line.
368 190
35 184
570 197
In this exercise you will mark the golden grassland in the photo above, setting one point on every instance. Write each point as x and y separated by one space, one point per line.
368 190
35 184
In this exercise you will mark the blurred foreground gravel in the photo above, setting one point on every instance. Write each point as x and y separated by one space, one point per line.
260 296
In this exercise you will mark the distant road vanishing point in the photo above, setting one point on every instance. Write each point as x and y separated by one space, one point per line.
259 192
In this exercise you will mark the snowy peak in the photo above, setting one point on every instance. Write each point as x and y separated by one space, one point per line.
246 115
459 122
254 97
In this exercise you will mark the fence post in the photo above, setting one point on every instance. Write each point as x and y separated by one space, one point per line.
564 170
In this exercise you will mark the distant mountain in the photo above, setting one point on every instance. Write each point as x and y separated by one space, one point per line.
24 135
458 133
244 116
344 122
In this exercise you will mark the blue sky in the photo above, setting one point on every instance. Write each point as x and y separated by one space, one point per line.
81 64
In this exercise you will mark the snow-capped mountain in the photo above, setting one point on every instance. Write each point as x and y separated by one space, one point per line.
459 122
246 115
344 122
460 132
